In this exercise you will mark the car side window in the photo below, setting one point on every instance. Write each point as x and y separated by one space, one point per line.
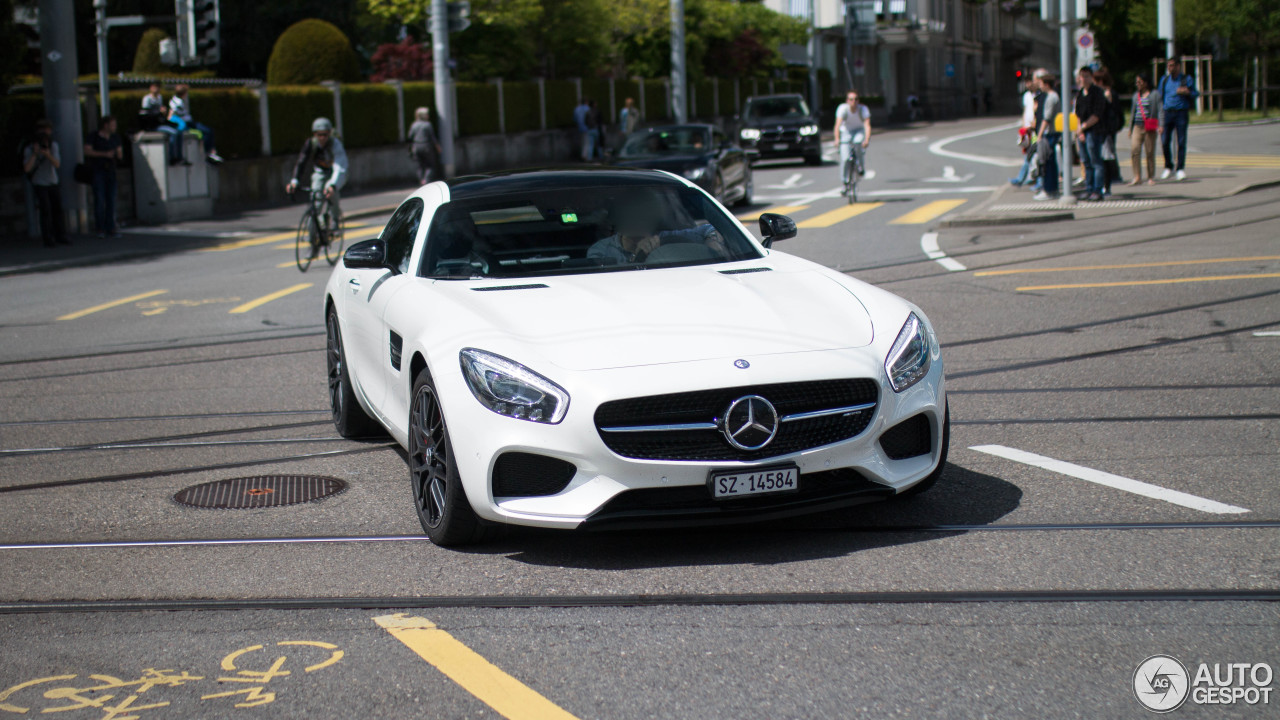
401 229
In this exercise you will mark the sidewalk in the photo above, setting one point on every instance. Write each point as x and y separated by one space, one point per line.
27 255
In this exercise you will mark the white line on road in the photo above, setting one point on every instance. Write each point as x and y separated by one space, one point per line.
929 243
1113 481
805 199
937 147
1267 333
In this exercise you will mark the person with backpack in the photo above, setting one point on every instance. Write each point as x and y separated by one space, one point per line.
1113 122
41 159
1177 93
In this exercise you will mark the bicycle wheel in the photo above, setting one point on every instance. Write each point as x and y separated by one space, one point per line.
302 245
333 235
850 181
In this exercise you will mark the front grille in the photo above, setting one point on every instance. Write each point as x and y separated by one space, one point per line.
518 474
778 136
709 406
912 437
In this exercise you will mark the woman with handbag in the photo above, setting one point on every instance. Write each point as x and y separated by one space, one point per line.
1144 128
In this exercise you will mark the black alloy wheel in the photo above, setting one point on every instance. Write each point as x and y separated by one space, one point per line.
438 496
349 418
717 187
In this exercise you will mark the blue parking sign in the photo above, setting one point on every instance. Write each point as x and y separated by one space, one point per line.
949 70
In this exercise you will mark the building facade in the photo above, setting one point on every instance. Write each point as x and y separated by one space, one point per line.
960 58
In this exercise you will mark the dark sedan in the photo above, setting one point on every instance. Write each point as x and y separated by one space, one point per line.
778 126
701 153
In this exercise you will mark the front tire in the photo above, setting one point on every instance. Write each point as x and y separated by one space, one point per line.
932 478
748 188
348 417
438 496
302 245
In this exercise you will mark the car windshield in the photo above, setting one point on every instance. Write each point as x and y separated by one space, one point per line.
581 230
666 141
788 107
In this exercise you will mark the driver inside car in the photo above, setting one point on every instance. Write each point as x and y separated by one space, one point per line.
636 235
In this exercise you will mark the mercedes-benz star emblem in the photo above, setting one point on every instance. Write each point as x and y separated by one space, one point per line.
750 423
741 364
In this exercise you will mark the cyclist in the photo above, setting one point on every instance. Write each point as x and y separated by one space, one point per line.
852 118
328 160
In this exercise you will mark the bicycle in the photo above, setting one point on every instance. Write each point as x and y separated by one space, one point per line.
853 168
321 226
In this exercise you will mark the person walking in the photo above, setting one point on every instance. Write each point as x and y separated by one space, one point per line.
1144 127
629 118
180 116
1026 133
424 148
1047 145
103 151
1112 123
580 115
1177 92
1091 108
41 158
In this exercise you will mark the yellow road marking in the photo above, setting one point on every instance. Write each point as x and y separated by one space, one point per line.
1262 161
268 298
508 696
1170 263
267 240
827 219
113 303
779 210
1169 281
349 236
925 213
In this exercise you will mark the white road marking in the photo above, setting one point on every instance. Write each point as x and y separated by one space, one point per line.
915 140
929 243
807 198
937 148
1267 333
1113 481
792 182
949 176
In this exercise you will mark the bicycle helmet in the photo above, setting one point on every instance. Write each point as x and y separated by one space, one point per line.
321 124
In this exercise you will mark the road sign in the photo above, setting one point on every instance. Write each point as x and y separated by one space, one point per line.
1086 47
949 70
859 67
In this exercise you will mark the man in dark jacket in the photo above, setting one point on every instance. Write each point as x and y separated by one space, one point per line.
1091 108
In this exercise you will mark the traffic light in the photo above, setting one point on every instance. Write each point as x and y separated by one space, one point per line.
459 16
199 32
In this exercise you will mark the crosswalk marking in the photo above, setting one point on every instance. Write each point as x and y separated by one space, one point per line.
1245 161
925 213
827 219
779 210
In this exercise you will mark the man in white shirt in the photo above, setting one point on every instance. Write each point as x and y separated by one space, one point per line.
180 115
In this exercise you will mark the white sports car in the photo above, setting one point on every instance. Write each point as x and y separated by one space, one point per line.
612 348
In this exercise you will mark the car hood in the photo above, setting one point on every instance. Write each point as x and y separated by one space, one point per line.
647 317
670 163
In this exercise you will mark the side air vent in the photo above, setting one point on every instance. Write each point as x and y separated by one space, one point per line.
397 349
497 288
910 438
520 474
744 271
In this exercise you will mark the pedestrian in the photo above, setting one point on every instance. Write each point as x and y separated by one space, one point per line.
102 152
1144 126
629 118
153 117
41 159
595 121
180 116
580 115
1091 108
1026 133
1113 123
1177 92
1047 145
424 148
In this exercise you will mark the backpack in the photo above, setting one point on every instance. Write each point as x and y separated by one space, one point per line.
1115 116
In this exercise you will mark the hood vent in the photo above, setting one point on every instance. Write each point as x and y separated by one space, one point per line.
496 288
744 271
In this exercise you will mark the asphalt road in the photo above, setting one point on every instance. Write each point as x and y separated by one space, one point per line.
1140 349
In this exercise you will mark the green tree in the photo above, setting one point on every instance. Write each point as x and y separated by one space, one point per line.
146 59
13 46
310 51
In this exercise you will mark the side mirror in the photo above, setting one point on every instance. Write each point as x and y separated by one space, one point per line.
369 254
776 227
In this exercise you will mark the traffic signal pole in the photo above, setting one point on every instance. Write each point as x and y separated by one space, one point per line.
100 27
444 94
1066 11
679 77
58 66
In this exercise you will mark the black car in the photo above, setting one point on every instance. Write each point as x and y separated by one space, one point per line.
701 153
779 126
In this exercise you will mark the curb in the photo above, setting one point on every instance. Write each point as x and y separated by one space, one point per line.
978 220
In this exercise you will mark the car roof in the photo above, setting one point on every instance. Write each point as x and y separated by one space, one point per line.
518 181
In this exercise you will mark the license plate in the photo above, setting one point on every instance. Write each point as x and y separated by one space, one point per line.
756 481
781 146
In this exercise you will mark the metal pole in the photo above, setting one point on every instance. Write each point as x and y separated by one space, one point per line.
815 103
444 98
58 63
677 61
1066 9
100 25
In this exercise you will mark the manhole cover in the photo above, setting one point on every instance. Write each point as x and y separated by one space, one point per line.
260 491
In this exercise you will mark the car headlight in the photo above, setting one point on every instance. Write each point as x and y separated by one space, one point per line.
511 389
809 130
695 173
749 134
909 358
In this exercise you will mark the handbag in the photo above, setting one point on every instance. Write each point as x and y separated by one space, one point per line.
1150 124
82 174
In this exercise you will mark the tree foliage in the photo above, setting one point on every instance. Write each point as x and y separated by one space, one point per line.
146 59
405 60
310 51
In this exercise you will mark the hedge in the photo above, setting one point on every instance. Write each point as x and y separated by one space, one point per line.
292 108
477 108
562 98
233 115
369 115
655 101
521 102
420 94
701 99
